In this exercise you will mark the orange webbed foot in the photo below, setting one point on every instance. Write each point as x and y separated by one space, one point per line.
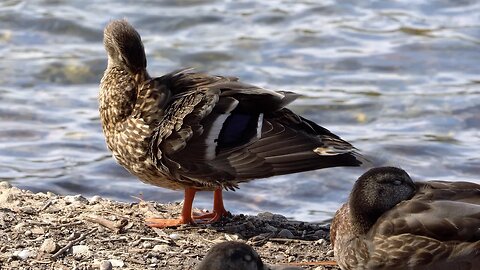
165 223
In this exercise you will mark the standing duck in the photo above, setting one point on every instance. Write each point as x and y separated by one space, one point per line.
390 222
192 131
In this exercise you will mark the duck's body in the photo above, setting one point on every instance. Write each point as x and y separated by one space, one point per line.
193 131
426 225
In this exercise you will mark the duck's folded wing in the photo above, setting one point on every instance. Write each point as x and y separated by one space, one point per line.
219 130
443 214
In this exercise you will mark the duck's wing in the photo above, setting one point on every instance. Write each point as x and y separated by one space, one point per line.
219 131
445 211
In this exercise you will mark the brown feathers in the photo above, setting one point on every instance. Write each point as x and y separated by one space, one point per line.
437 228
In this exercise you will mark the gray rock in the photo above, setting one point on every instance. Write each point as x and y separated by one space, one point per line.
285 233
106 265
117 263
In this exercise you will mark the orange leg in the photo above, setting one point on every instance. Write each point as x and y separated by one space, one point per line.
185 218
218 208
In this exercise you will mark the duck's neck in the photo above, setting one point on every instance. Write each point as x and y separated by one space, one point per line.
118 94
361 221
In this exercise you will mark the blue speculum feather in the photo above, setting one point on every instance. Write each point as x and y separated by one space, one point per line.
237 129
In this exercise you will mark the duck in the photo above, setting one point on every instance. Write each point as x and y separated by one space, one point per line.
391 222
236 255
191 131
232 255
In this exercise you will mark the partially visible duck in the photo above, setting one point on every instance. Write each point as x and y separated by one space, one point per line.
390 222
193 131
233 255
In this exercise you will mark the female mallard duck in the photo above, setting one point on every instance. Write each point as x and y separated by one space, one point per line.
192 131
390 222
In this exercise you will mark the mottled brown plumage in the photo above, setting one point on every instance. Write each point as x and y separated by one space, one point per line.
193 131
390 222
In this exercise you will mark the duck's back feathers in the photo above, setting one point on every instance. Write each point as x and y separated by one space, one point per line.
220 131
445 211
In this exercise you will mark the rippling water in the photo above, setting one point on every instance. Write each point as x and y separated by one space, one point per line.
400 81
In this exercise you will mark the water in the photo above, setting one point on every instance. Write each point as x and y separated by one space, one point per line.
399 80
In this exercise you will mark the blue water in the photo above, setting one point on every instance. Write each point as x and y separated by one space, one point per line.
399 80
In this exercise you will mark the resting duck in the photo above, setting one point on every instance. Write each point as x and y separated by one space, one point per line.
233 255
192 131
390 222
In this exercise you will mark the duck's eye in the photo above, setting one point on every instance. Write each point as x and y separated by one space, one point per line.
397 182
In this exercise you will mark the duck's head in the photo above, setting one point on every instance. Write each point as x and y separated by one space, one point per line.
231 255
124 46
377 191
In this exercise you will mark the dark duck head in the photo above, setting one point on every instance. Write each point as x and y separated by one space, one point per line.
124 47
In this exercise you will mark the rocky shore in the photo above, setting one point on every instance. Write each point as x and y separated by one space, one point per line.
49 231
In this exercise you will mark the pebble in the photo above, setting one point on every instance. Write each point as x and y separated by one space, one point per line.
28 233
321 242
5 185
117 263
106 265
161 248
95 199
75 199
174 236
6 197
285 233
270 228
80 250
330 253
49 246
147 245
23 254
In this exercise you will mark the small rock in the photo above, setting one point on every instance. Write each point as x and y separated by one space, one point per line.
330 253
285 233
321 242
174 236
265 216
106 265
161 248
38 230
75 199
270 228
5 185
147 245
28 233
95 199
49 246
28 210
23 254
6 197
117 263
80 250
291 259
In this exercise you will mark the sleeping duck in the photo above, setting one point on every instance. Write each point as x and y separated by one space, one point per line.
196 132
390 222
233 255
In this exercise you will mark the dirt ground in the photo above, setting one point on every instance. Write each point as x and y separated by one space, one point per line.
48 231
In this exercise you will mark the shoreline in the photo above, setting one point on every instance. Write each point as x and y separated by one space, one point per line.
49 231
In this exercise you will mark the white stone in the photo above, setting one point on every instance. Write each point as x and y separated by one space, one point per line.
80 250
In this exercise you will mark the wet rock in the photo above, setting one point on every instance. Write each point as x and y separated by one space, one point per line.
285 233
49 246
